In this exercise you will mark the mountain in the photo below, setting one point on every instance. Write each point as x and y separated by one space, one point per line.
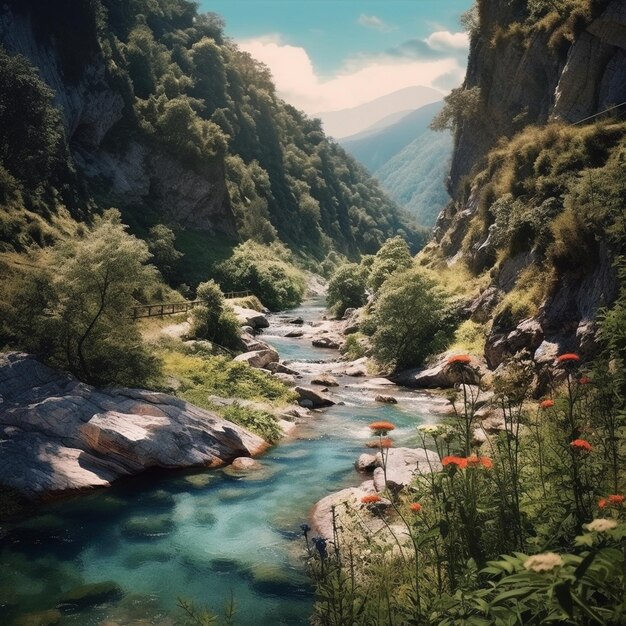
537 176
410 161
146 106
350 121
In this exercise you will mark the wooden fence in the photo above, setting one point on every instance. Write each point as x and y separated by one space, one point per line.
172 308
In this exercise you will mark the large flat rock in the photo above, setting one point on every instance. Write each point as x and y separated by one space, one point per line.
58 434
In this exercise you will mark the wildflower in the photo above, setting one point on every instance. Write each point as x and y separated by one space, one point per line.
430 429
584 380
457 461
616 499
602 502
416 507
601 525
381 427
546 404
581 445
569 358
320 546
371 499
545 562
460 359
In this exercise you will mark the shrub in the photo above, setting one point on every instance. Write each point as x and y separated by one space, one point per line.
411 318
268 272
393 256
347 288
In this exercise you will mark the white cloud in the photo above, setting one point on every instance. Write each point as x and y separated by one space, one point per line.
373 21
361 80
445 40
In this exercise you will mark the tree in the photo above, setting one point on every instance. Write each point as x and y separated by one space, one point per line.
411 320
212 320
80 313
393 256
347 288
164 254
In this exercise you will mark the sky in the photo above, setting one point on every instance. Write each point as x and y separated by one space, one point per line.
327 55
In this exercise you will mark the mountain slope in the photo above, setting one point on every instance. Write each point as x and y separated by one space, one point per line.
410 161
539 178
347 122
146 106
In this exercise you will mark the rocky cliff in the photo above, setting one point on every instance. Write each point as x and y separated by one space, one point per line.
135 173
539 186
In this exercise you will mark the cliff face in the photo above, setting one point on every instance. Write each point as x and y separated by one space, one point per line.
137 175
532 185
530 78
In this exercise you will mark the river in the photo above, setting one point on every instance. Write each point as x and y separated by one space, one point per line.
204 535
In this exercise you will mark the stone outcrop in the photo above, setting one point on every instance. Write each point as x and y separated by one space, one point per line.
258 358
58 434
440 374
250 317
311 398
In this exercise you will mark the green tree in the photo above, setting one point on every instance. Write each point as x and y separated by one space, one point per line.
80 312
161 240
212 319
347 288
411 320
393 256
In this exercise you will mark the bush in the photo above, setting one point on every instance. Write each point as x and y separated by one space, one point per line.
213 320
268 272
411 319
393 256
347 288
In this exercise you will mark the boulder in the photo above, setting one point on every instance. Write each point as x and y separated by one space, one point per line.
403 464
440 374
281 368
258 358
245 463
295 320
326 342
366 463
325 380
250 317
249 343
311 398
528 335
483 305
356 368
59 435
385 399
295 333
286 379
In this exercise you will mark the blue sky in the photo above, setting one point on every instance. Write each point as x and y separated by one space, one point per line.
327 55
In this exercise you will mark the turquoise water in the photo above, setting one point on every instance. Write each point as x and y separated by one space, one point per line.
202 535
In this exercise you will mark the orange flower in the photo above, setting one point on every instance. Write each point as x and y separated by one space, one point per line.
371 499
460 359
546 404
381 427
570 357
582 445
460 462
416 507
616 499
602 502
475 461
584 380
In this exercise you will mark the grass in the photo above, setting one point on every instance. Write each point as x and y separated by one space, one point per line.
470 338
250 302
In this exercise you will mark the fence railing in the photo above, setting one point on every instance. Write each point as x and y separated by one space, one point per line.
173 308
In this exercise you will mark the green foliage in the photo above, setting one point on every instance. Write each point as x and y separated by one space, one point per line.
353 347
393 256
258 421
268 272
75 307
410 320
213 320
165 256
201 377
346 288
461 104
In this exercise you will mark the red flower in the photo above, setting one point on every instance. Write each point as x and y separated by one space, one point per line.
582 445
460 462
570 357
381 427
617 499
584 380
475 461
371 499
416 507
385 442
602 502
460 359
546 404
